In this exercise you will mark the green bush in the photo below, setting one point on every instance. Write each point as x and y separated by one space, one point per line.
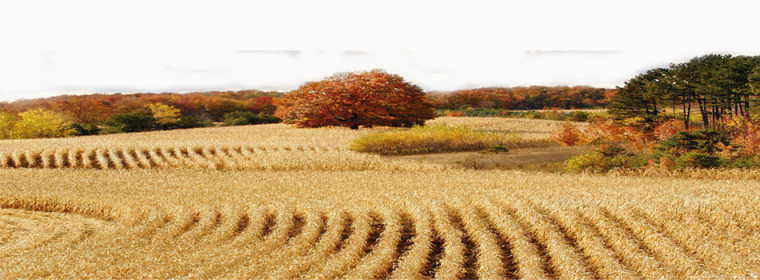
129 122
85 129
745 163
607 158
579 116
594 162
190 122
699 160
246 118
611 150
703 141
496 149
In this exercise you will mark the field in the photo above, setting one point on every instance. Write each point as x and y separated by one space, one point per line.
276 202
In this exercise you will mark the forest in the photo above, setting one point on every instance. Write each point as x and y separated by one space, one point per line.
73 115
708 88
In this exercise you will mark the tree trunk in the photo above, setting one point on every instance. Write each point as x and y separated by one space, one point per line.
703 110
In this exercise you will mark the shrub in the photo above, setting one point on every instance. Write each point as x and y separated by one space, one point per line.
699 160
745 163
568 135
246 118
579 116
668 129
745 134
84 129
496 149
455 114
704 141
593 162
190 122
129 122
611 150
435 139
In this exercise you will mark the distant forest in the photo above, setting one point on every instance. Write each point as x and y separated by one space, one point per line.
72 115
524 98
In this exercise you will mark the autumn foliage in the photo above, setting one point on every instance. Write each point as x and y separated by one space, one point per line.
373 98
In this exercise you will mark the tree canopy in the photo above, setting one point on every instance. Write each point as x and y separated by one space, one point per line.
372 98
713 85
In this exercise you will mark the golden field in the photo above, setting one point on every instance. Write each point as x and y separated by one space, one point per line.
276 202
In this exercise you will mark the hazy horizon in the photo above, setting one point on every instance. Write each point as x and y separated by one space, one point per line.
46 74
90 46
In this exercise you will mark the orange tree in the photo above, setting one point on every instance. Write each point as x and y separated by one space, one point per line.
356 99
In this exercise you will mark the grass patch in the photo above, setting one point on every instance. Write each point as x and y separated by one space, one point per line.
439 139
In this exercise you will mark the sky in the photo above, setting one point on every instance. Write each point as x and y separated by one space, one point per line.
50 48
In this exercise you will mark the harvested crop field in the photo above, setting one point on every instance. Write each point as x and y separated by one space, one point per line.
308 207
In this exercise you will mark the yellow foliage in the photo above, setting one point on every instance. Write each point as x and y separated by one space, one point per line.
7 122
40 123
164 114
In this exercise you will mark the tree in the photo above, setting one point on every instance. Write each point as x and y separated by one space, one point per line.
130 122
7 124
165 115
754 81
641 96
246 118
356 99
38 123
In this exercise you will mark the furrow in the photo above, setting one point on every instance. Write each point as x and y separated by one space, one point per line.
115 161
74 157
490 264
181 221
264 246
150 223
230 223
633 254
205 221
299 244
733 236
46 159
529 261
563 257
89 158
351 251
196 155
598 253
102 159
686 233
160 157
334 233
415 247
59 159
128 158
379 262
225 158
141 157
5 160
664 248
453 260
32 159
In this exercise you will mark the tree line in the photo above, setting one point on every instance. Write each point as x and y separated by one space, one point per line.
72 115
707 88
524 98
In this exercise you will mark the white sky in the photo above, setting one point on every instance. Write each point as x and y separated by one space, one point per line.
70 47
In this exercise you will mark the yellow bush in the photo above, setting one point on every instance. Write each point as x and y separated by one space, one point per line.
437 139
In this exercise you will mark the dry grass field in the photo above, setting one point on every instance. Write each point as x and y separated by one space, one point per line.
275 202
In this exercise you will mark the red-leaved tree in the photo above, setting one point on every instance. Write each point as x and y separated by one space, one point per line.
373 98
